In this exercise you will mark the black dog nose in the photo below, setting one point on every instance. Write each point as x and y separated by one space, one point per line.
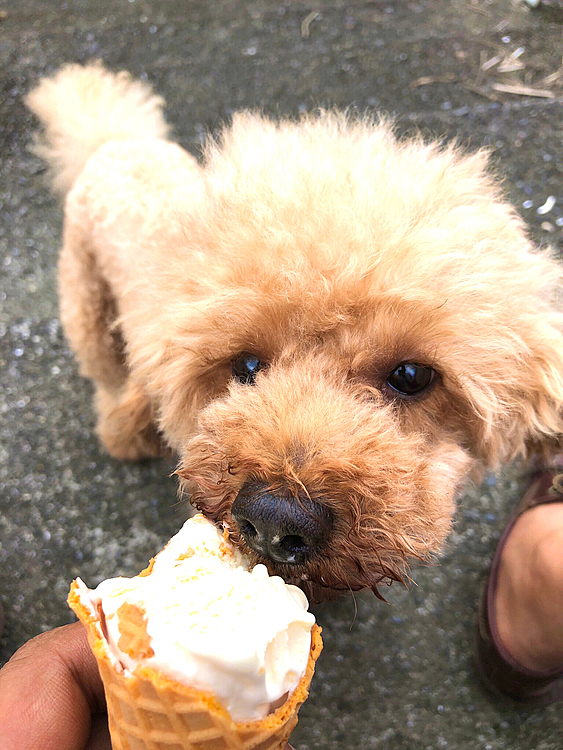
284 529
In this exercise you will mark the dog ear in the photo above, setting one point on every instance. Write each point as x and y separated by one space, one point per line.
541 410
518 394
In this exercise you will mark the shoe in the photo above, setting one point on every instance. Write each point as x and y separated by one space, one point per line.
500 672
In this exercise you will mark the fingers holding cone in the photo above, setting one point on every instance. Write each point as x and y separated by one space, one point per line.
51 695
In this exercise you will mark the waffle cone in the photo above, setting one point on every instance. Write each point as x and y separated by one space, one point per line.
150 711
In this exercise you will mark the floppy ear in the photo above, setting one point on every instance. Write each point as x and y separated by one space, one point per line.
519 397
541 412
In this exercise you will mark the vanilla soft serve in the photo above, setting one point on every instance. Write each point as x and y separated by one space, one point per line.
211 622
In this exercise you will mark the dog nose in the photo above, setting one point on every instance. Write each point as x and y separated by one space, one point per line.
283 529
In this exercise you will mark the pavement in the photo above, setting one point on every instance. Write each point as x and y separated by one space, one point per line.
487 72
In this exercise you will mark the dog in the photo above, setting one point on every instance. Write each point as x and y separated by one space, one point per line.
332 327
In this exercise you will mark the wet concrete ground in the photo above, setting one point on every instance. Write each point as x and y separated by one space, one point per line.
399 677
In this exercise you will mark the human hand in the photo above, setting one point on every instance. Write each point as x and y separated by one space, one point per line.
52 697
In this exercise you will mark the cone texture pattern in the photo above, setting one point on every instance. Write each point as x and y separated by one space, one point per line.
149 711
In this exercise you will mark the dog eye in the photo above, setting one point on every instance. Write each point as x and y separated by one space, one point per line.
245 368
409 379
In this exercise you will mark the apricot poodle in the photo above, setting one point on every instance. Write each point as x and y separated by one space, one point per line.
331 327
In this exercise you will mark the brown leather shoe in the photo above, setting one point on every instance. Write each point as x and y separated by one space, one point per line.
501 673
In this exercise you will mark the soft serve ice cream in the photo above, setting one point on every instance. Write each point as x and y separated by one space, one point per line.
209 622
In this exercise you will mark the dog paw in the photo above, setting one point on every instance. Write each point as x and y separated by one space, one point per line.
143 445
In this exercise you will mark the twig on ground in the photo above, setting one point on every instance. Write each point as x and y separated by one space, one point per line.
490 63
522 90
306 22
477 9
480 90
426 80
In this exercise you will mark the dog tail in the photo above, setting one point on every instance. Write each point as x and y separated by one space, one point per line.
83 107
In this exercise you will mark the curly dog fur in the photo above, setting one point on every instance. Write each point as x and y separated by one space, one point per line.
334 252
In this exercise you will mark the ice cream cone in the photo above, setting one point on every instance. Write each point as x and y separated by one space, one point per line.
150 711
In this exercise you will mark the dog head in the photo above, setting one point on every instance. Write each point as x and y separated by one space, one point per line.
368 324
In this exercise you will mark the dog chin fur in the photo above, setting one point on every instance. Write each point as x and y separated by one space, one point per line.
334 252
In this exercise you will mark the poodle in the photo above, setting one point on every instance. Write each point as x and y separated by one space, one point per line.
333 328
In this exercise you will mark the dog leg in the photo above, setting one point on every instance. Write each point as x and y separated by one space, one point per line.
126 425
89 315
